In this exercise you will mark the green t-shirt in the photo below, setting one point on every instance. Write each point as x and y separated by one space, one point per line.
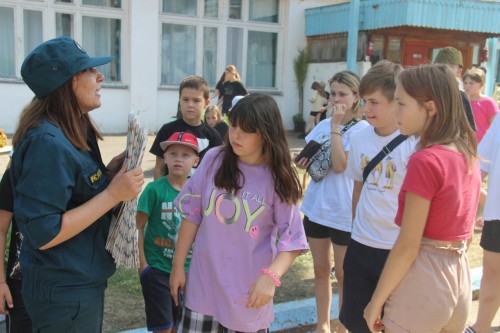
160 236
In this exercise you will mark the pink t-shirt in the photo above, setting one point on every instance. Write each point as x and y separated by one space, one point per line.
484 110
238 235
442 176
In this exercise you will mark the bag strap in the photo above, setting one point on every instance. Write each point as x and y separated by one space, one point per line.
350 124
383 153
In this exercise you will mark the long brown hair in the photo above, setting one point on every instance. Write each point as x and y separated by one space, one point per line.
258 113
449 125
61 108
319 88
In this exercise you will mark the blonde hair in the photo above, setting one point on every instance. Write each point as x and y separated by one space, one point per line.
232 69
215 109
476 75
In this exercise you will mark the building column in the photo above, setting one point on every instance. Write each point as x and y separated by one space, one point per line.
491 66
352 35
144 54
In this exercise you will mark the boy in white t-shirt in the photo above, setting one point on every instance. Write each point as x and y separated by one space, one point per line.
375 201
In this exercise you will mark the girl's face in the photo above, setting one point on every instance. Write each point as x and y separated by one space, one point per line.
211 118
410 114
247 146
342 94
229 75
86 85
472 88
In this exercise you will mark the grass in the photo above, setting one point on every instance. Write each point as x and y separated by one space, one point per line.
124 308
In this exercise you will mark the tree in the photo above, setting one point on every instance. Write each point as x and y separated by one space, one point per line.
300 68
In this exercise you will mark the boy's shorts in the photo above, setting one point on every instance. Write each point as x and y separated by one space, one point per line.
161 311
362 268
434 296
316 230
195 322
490 237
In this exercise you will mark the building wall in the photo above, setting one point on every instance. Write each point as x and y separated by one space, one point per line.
140 89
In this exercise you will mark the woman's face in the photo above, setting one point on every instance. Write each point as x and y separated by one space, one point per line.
211 118
411 115
342 94
229 75
86 85
472 88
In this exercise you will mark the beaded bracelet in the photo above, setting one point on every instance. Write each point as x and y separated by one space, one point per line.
272 275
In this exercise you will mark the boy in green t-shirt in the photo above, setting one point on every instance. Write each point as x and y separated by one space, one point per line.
157 241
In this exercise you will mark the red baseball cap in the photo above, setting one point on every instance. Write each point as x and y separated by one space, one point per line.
181 138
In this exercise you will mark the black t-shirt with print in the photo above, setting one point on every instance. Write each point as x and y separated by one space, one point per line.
230 90
202 131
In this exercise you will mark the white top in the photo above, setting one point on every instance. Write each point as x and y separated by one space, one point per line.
329 201
378 202
317 101
489 153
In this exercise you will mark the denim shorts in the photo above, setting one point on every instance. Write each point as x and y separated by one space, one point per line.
362 268
161 311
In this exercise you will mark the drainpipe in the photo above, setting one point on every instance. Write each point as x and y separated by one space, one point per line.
491 65
352 35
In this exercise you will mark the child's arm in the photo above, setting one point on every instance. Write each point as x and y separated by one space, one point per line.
187 234
337 154
5 296
141 219
159 169
356 192
401 258
263 289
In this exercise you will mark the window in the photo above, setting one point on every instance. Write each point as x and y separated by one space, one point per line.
95 24
247 34
212 8
183 7
264 11
333 48
261 64
101 36
33 30
7 51
104 3
178 52
64 24
235 9
394 50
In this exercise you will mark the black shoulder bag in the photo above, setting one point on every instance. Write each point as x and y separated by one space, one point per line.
383 153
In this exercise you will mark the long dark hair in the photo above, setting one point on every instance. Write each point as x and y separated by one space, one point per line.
258 113
61 108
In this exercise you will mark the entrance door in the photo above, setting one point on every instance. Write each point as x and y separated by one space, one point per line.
416 54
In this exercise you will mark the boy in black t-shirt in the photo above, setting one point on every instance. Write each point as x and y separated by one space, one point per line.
193 99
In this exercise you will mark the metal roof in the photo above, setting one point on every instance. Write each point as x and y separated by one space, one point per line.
464 15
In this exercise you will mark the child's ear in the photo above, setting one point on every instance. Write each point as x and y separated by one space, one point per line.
430 106
196 161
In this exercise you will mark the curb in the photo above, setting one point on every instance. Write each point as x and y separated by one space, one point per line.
303 312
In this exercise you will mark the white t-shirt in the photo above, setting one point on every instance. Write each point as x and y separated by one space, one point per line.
489 154
329 201
317 101
378 202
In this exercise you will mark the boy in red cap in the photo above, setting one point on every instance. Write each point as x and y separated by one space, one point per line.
157 241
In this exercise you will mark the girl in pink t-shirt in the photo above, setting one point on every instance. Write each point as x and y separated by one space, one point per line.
483 107
425 284
241 207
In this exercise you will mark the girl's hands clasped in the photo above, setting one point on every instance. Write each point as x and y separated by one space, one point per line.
126 185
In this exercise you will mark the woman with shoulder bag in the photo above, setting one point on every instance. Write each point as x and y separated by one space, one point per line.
327 202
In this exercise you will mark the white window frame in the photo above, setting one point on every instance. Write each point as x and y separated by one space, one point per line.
222 23
77 10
